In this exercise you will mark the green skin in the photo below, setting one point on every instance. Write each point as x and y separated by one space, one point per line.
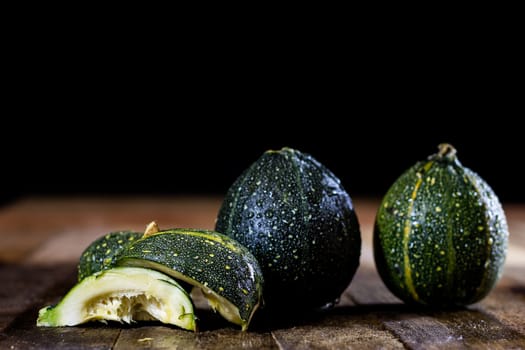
293 214
101 254
203 258
440 236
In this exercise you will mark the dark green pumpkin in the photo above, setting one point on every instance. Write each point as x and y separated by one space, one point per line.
296 218
101 254
440 235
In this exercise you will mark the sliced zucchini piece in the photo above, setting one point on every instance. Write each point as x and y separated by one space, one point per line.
122 294
226 271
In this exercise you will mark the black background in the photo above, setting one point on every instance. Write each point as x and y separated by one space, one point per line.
96 114
195 156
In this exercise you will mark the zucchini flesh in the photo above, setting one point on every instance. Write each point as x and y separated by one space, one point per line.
122 294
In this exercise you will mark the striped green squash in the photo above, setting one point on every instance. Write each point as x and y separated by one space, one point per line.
440 234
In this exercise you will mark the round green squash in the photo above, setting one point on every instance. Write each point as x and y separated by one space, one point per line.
293 214
102 253
440 236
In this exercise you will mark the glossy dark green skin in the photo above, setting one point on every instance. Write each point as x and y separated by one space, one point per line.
450 229
209 258
102 253
299 222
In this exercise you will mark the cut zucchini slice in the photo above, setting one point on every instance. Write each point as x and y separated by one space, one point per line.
122 294
227 273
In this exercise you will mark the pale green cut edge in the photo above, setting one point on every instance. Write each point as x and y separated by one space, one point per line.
122 294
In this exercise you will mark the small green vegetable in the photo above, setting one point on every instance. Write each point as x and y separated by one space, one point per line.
294 215
441 235
123 294
227 272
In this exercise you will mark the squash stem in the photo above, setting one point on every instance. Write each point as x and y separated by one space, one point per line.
446 151
151 229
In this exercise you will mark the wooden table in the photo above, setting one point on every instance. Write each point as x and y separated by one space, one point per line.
42 238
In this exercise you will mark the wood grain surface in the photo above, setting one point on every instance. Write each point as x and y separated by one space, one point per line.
41 240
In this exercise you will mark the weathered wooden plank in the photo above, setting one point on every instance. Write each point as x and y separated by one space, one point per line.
23 285
507 304
35 287
17 244
64 247
516 219
452 329
420 328
43 231
116 213
31 222
5 320
23 334
515 264
163 337
367 288
343 328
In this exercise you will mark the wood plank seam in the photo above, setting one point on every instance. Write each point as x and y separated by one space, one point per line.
279 345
